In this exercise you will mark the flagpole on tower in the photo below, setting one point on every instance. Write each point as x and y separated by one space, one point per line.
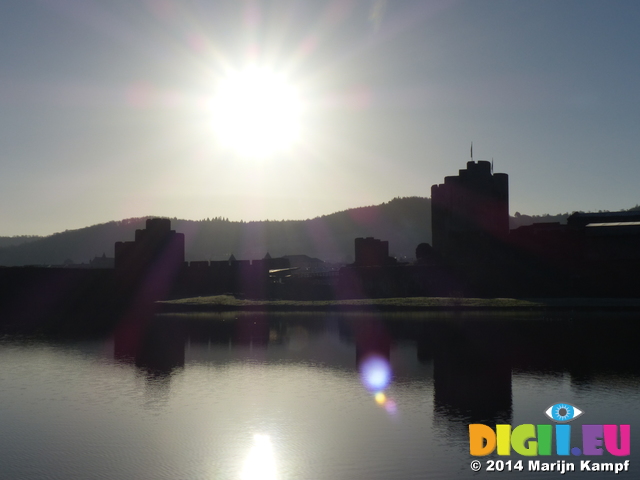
472 151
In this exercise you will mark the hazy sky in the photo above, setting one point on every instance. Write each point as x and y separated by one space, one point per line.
105 105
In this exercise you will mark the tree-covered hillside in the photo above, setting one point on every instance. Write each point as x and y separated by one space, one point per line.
404 222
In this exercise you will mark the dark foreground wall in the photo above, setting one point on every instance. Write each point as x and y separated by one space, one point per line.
40 287
37 292
42 299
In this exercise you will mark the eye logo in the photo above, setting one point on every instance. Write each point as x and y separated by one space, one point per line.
563 412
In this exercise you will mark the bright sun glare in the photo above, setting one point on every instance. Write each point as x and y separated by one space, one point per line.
256 112
260 463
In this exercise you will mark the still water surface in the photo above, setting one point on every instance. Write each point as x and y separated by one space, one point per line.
292 396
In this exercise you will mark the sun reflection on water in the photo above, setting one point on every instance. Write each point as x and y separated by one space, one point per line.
260 463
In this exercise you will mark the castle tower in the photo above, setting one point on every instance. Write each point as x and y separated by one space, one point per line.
470 210
147 267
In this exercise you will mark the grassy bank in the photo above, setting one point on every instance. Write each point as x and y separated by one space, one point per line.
228 302
231 303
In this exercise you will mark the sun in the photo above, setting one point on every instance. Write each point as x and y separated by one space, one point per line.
256 112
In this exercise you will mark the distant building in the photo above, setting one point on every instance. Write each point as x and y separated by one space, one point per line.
470 210
101 262
579 219
587 237
594 254
306 264
371 252
426 255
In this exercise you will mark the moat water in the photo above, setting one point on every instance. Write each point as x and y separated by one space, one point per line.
309 396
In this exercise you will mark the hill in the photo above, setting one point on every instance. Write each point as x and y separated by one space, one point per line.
17 240
404 222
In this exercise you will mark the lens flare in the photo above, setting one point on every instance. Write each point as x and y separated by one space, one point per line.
390 406
375 373
385 402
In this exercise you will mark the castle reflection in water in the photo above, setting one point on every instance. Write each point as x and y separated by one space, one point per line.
469 360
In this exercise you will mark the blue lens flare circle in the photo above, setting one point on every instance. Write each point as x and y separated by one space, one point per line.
375 373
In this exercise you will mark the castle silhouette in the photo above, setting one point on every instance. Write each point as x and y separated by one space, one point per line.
474 254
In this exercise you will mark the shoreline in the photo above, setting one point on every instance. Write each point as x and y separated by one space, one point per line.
228 303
